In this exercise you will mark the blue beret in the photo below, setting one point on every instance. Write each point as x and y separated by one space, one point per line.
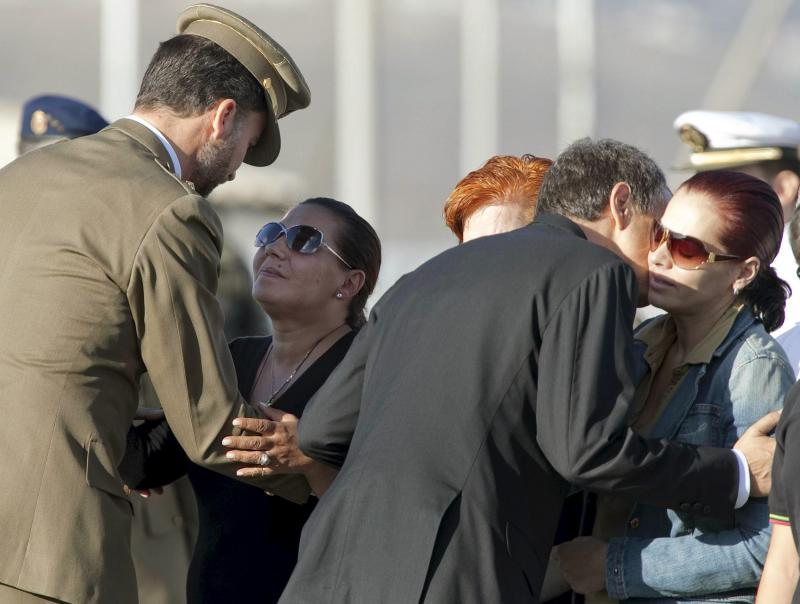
50 116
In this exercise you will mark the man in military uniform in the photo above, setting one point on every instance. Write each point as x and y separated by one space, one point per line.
164 528
109 256
764 146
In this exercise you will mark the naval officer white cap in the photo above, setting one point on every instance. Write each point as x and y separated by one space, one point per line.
726 139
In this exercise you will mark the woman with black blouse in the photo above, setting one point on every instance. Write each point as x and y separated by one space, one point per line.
314 271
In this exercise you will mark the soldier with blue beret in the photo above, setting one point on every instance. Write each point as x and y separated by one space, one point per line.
50 118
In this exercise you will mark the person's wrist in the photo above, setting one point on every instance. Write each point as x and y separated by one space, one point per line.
603 565
302 464
614 569
319 476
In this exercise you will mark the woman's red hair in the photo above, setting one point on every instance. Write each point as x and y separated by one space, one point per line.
503 179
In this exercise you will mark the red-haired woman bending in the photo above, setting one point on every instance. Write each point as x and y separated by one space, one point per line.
499 196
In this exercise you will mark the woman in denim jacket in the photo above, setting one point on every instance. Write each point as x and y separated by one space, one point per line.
708 370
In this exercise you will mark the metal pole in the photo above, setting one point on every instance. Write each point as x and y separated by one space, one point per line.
746 54
119 55
355 106
576 81
480 82
743 60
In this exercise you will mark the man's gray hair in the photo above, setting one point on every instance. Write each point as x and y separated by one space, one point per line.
579 183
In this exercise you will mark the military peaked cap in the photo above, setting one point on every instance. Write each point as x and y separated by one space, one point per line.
285 89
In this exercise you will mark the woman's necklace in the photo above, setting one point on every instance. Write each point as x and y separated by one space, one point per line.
277 392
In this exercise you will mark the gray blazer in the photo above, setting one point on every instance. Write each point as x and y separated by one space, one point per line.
484 383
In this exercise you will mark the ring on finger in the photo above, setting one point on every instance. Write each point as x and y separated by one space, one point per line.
264 459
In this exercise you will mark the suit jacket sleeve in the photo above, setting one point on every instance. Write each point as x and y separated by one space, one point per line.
179 323
585 390
153 456
329 420
710 562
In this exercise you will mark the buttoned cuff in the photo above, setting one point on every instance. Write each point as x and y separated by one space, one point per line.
615 570
744 479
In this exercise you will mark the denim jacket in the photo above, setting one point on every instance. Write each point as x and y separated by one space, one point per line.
670 556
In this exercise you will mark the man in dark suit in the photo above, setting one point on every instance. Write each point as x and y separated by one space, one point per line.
486 382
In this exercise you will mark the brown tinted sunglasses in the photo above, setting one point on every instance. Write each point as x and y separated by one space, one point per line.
686 252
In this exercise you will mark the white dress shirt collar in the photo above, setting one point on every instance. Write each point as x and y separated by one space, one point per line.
172 155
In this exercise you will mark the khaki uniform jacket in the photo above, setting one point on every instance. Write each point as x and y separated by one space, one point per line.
108 266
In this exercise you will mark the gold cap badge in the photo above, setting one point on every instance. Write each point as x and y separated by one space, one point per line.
694 138
39 122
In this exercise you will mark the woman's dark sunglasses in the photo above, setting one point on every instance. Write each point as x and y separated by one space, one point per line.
686 252
300 238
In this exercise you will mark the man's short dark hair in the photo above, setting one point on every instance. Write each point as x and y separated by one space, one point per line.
579 182
188 74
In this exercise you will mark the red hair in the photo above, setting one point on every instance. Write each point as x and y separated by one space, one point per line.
501 180
752 225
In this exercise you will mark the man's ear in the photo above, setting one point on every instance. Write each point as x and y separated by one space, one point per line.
223 115
786 185
620 205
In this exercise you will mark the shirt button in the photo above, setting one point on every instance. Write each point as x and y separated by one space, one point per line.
616 570
634 523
